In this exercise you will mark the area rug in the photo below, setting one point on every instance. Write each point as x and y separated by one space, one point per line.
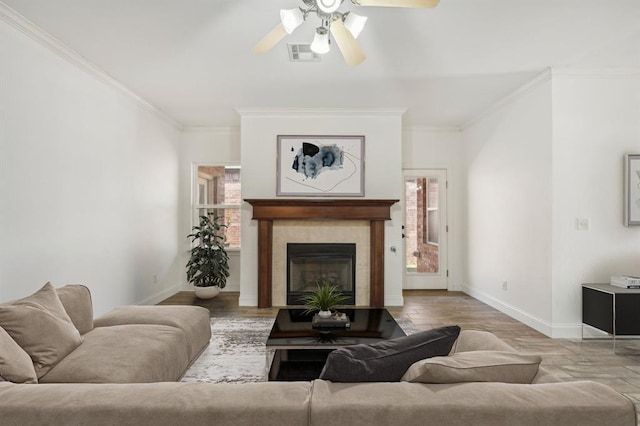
236 353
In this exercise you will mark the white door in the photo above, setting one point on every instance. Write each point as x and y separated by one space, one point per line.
425 229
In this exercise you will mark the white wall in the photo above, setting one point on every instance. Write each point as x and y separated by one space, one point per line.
95 187
383 179
88 182
596 121
551 154
441 148
508 211
220 146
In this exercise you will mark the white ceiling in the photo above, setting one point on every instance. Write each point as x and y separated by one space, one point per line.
192 58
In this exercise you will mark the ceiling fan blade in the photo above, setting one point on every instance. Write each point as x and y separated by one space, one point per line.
348 45
270 40
397 3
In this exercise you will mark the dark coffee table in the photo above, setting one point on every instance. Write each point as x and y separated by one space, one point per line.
296 351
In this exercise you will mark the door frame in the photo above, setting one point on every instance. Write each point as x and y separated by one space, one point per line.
429 281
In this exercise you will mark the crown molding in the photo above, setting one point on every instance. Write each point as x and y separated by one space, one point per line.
621 73
218 130
549 74
314 112
432 129
541 78
46 40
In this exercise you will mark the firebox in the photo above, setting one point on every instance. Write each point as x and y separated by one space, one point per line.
309 264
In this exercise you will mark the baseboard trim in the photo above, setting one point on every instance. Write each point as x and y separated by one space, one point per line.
569 331
532 321
394 301
159 297
251 300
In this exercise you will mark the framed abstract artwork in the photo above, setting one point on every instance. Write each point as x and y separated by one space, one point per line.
632 189
320 166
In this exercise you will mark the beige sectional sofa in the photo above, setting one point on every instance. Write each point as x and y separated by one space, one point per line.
543 402
131 344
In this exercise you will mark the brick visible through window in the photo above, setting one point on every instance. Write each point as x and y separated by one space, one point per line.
217 192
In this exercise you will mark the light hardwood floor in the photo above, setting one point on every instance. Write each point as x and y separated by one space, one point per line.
569 359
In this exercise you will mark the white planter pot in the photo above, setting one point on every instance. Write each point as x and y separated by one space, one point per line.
207 292
324 314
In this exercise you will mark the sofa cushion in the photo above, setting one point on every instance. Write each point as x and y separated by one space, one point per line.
477 366
477 340
476 404
545 376
157 404
41 326
15 364
76 300
387 361
192 320
125 354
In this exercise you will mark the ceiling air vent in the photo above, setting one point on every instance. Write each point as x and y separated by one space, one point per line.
302 53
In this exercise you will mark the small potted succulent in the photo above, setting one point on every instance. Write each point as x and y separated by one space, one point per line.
324 299
208 266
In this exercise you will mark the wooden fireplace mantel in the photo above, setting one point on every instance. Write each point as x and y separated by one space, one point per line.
265 211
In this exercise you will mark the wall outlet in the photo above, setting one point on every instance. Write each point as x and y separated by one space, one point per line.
504 285
155 279
582 224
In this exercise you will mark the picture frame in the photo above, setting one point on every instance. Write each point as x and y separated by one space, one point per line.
632 190
320 166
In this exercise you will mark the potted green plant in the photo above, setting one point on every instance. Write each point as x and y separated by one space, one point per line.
208 265
324 299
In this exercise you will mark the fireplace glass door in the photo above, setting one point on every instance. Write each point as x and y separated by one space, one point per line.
309 265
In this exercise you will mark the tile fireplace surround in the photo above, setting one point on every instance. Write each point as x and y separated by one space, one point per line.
375 212
325 232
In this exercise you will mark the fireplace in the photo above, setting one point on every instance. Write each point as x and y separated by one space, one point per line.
309 264
374 212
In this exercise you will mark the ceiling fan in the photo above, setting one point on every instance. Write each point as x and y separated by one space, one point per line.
343 26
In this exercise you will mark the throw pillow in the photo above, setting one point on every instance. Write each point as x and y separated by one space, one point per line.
15 364
475 366
76 301
387 361
42 328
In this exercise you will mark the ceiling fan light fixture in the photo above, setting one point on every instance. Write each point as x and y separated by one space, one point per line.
291 19
328 6
345 27
354 23
320 44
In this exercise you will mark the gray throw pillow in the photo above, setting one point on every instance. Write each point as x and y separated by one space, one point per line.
387 361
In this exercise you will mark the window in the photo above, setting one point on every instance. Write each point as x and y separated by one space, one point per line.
217 193
433 213
428 192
